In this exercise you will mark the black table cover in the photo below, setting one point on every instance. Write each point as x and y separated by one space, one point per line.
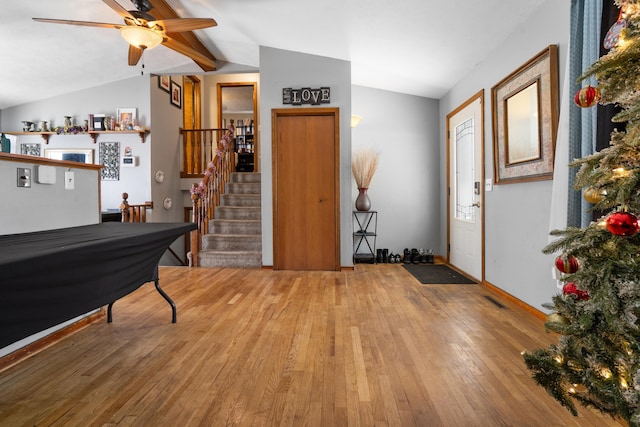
49 277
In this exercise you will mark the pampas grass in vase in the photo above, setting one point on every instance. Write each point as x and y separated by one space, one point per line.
364 163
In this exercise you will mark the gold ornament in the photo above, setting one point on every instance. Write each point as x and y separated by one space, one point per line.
557 318
593 195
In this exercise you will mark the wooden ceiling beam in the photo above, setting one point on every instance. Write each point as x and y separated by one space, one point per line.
162 10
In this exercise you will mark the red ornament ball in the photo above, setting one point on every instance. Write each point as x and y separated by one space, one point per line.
570 288
567 265
623 224
587 97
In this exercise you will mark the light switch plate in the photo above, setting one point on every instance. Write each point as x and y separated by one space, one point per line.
24 177
488 184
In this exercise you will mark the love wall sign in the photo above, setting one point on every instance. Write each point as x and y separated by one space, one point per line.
306 95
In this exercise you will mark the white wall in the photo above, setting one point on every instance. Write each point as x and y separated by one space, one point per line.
516 215
403 129
281 69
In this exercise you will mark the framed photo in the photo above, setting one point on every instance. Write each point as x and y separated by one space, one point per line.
525 110
164 83
127 117
30 149
176 94
69 155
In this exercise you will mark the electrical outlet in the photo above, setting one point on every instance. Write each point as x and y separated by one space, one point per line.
24 177
69 180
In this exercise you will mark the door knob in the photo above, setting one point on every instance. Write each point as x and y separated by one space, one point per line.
476 204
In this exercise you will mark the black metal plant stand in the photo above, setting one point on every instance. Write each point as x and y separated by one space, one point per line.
365 231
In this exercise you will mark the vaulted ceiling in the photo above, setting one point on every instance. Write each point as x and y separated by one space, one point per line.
420 47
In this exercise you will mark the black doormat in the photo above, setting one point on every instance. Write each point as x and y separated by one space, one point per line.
437 274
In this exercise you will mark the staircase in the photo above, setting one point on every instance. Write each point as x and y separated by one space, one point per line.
235 235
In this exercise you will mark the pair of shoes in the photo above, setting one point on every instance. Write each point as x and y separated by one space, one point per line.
382 256
415 256
407 256
392 258
430 256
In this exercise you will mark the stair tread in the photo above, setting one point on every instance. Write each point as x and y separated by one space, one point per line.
233 251
237 220
232 235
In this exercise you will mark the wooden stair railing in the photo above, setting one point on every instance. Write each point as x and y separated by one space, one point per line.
205 196
134 213
199 147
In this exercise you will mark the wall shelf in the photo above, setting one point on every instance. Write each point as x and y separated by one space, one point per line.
92 133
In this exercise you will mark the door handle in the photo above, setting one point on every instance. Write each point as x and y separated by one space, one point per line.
476 204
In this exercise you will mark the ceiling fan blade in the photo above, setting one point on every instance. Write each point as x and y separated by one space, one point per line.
197 56
82 23
113 4
184 24
134 55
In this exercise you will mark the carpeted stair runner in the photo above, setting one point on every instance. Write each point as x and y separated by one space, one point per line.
235 235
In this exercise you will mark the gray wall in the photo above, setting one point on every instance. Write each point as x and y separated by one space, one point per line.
516 215
403 129
281 69
47 206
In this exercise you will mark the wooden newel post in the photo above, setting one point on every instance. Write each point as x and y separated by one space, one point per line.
124 207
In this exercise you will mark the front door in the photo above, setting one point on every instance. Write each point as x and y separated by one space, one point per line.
306 183
465 153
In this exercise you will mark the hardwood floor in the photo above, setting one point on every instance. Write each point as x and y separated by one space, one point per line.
370 347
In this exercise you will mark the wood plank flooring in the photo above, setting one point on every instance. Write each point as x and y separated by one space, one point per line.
369 347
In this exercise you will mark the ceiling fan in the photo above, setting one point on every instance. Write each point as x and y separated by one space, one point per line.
143 31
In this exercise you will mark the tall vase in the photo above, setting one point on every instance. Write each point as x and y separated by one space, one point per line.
363 203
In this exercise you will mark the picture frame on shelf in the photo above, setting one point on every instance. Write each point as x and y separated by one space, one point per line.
79 155
525 111
30 149
164 83
127 118
98 122
176 94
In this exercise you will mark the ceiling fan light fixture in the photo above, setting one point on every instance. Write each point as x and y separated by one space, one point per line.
141 37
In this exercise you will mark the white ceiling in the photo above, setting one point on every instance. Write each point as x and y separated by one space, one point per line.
420 47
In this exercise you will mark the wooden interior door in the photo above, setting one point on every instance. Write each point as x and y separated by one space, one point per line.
306 189
192 115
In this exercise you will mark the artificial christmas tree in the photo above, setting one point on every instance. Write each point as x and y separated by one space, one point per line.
596 361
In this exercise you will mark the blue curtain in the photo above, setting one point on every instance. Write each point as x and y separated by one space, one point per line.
586 16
